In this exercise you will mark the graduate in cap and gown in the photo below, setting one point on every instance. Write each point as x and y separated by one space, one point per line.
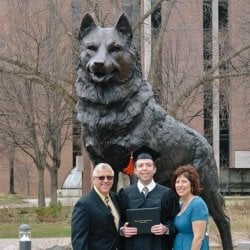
161 235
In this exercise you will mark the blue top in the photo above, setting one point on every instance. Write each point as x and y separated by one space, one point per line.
196 210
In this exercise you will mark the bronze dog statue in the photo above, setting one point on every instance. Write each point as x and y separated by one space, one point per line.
119 114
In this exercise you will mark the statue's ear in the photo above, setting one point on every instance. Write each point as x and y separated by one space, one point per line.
88 24
123 26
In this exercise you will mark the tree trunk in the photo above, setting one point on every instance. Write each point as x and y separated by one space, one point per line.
53 186
11 187
41 194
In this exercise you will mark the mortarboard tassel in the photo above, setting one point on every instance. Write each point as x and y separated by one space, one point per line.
129 170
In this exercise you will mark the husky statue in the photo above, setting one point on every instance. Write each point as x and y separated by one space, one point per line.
118 112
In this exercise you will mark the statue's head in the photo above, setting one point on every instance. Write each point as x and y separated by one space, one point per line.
105 52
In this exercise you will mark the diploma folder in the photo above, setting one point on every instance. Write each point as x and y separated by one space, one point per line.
143 218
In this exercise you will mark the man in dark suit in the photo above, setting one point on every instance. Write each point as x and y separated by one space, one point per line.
96 216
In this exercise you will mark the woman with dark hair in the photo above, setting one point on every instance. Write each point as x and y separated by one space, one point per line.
191 222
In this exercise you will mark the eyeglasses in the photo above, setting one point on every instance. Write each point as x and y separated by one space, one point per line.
102 178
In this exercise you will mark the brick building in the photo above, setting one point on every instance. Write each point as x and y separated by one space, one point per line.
186 56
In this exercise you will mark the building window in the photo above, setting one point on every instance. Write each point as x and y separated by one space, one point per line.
77 141
156 19
223 14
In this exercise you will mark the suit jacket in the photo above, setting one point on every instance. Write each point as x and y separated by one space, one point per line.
92 225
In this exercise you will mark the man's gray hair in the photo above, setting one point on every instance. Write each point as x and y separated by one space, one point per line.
101 166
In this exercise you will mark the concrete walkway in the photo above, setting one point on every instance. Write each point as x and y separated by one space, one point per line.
45 243
36 244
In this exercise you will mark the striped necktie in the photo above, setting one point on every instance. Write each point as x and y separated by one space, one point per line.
113 212
107 203
145 191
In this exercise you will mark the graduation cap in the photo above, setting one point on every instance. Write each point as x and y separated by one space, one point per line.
144 152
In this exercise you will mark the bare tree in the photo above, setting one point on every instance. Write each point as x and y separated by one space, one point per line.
175 84
23 177
36 100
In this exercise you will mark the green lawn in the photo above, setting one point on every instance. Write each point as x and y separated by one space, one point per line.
6 199
40 230
53 221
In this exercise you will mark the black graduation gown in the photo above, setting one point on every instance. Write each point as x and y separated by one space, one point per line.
160 196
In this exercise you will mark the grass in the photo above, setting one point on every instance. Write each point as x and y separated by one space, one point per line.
238 209
6 199
41 230
239 212
54 221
